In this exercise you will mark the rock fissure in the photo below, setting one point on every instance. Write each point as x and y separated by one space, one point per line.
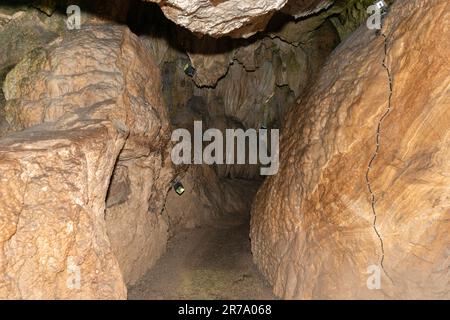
375 155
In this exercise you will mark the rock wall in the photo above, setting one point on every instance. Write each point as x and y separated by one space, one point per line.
82 108
208 200
363 177
53 241
237 83
232 17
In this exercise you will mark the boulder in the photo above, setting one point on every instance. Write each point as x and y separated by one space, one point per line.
53 239
99 74
363 187
239 19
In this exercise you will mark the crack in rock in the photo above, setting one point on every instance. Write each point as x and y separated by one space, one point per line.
377 149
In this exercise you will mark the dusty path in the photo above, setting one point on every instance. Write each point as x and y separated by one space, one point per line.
205 263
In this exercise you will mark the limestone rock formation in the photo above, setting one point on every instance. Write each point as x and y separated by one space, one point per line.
221 17
301 8
85 108
342 203
53 241
249 83
22 32
232 17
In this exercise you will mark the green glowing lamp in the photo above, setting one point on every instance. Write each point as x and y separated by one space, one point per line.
179 188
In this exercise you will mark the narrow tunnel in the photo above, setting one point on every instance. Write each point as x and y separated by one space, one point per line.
222 84
133 133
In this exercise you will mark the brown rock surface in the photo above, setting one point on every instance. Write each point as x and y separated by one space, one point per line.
230 17
52 228
313 228
250 82
24 31
100 74
265 76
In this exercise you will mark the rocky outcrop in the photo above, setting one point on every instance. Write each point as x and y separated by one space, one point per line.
53 241
236 18
363 179
221 17
85 108
244 19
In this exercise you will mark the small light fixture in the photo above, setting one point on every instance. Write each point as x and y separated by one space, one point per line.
178 187
189 70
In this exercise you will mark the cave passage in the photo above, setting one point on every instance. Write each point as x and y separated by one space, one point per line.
225 84
209 262
232 149
175 231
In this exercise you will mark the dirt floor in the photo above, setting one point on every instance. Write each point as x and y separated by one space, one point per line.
205 263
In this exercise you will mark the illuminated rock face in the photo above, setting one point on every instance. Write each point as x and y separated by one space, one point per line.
231 17
52 234
313 229
85 169
89 111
